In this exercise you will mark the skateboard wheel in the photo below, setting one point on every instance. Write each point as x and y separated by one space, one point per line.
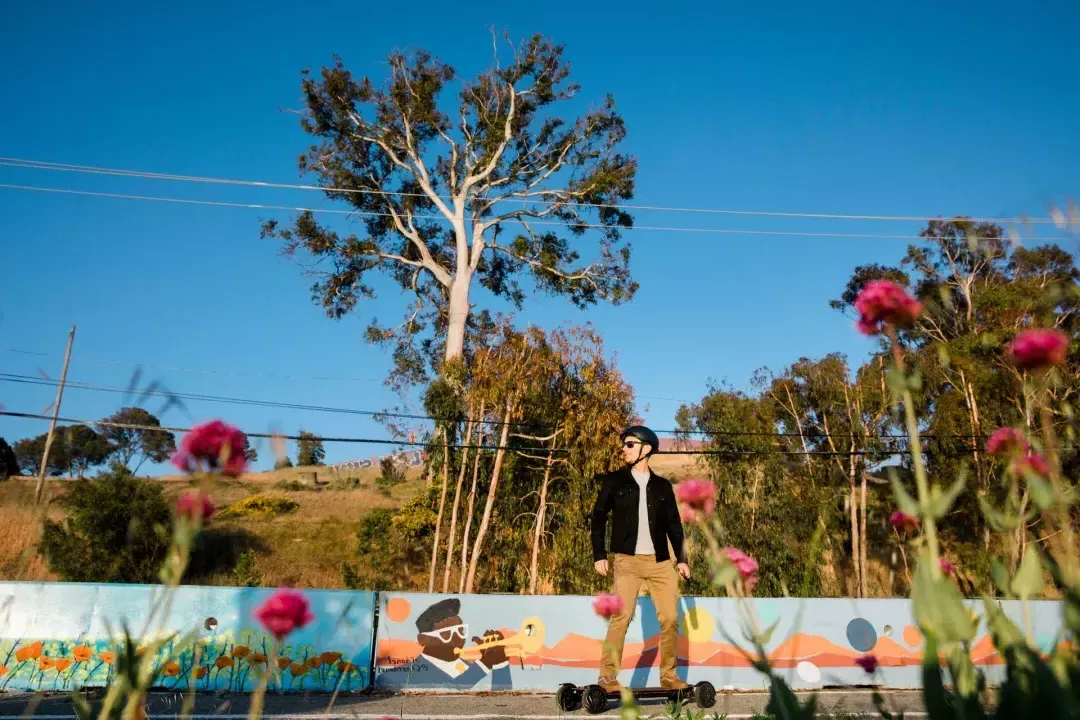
704 694
595 699
567 697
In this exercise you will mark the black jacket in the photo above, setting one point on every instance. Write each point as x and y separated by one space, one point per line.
619 496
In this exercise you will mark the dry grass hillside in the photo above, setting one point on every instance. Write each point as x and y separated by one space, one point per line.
303 548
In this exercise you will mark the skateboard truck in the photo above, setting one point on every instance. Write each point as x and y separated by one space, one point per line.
570 697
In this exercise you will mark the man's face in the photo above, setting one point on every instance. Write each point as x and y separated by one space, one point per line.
633 450
448 635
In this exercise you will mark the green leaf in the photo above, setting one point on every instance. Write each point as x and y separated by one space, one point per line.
943 355
1001 577
1042 494
967 681
904 502
938 606
725 575
766 634
915 381
998 520
896 381
81 706
935 696
1029 578
941 503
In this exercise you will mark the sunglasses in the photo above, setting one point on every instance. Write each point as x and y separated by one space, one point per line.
631 444
447 634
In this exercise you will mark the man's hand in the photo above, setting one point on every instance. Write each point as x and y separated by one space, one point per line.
601 566
491 656
684 570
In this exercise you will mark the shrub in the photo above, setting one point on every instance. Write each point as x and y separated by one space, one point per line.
345 482
283 463
260 505
246 573
294 486
392 472
118 530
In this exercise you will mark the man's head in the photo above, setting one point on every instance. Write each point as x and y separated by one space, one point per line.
638 443
440 631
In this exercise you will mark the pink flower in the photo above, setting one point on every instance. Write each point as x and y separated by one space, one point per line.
869 663
284 611
697 497
1034 462
194 504
208 443
607 606
745 564
903 521
946 567
883 302
1006 441
1040 348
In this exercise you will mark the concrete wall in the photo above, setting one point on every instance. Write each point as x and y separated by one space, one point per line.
553 640
55 636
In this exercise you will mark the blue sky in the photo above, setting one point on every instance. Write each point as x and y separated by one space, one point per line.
912 109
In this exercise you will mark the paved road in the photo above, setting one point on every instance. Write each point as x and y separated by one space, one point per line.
416 706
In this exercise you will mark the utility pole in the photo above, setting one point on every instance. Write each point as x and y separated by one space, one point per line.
52 423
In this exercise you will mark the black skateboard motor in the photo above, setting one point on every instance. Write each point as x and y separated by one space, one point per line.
570 697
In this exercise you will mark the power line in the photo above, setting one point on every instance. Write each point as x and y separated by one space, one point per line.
91 169
586 226
170 394
30 380
282 436
379 441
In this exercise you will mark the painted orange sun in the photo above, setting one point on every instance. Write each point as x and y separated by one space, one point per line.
397 609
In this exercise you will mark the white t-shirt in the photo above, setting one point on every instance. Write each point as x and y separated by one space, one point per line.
644 538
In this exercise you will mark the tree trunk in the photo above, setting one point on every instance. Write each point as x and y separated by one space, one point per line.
459 314
862 537
442 505
457 500
759 472
486 517
469 516
853 512
538 533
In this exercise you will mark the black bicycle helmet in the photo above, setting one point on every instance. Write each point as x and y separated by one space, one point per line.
643 434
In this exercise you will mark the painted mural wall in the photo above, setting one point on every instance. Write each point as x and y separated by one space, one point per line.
56 636
491 642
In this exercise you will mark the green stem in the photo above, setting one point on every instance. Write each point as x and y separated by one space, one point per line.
921 483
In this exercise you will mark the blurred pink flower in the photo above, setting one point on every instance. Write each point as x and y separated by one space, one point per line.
869 663
207 443
697 495
284 611
946 567
193 504
903 521
883 302
1006 441
745 564
607 606
1034 462
1039 348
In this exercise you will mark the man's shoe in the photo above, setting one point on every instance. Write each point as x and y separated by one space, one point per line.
673 684
610 685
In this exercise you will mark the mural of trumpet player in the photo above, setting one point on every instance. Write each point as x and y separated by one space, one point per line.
445 660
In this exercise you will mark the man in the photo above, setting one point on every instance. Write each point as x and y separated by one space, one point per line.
441 634
644 516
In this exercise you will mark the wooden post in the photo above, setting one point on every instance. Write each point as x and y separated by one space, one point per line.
52 423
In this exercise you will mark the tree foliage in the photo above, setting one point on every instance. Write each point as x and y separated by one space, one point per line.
118 529
133 443
309 450
74 450
454 191
9 463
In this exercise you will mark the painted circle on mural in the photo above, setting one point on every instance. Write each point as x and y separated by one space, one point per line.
808 672
912 636
861 634
697 625
397 609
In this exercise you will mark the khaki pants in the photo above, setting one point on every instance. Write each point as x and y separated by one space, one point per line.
630 571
